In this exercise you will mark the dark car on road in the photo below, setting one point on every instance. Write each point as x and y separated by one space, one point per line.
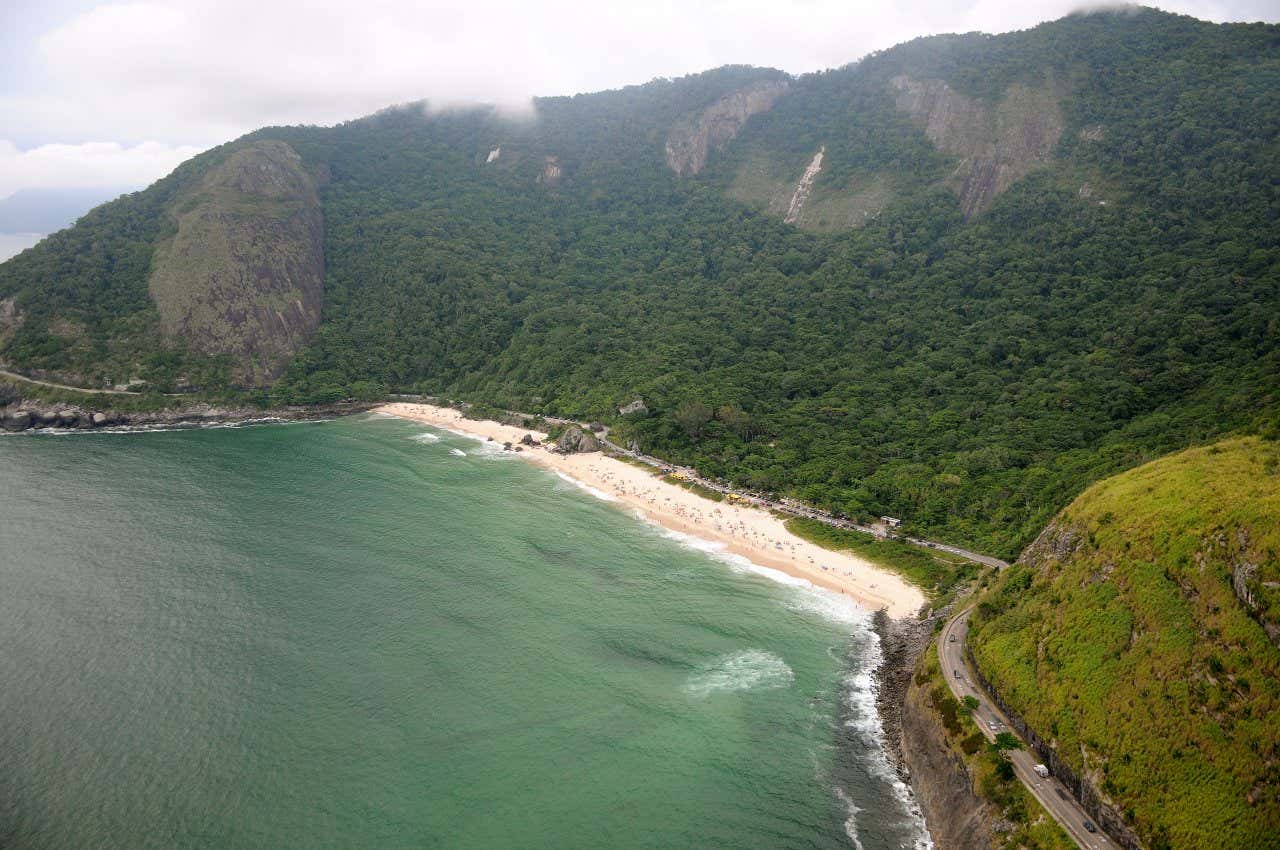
1089 826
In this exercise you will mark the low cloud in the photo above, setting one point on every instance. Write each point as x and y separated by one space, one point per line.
193 73
105 165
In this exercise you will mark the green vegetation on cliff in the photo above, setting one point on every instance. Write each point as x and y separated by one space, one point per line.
1027 825
1139 636
1029 303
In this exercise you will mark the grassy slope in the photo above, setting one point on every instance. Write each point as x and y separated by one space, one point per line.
1128 647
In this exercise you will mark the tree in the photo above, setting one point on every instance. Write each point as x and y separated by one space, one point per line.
1006 741
693 417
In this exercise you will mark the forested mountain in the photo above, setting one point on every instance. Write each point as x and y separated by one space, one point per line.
955 281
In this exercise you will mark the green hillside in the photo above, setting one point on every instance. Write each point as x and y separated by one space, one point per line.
1140 635
1021 263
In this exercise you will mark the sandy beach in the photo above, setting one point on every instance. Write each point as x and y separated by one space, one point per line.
751 532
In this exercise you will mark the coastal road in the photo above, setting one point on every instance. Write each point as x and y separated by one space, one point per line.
789 507
6 374
1051 793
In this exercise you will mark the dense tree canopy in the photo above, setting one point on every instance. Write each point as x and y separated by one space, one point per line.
969 376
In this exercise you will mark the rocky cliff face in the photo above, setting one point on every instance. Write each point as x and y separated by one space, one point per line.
10 318
691 140
551 171
957 817
243 275
996 146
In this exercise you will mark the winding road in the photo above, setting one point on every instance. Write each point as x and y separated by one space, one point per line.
15 376
1051 793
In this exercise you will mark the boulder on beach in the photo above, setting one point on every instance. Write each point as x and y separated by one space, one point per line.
99 419
19 420
575 440
68 417
527 440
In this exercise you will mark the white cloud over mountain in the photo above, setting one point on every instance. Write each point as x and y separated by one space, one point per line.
131 88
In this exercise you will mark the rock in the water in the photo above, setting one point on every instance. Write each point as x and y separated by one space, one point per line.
575 440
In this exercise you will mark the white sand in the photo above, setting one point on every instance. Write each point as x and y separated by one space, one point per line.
751 532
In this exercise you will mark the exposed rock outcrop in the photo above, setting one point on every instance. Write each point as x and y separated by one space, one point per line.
956 816
693 138
804 187
1055 543
637 406
10 319
19 420
243 276
797 198
25 415
575 440
551 171
996 146
901 643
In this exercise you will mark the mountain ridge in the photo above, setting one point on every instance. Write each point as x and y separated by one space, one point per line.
962 331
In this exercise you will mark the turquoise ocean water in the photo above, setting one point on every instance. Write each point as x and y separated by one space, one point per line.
364 633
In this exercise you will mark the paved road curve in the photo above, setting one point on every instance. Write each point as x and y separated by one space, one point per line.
1051 793
7 374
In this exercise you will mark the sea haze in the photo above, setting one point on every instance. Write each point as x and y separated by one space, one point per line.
362 633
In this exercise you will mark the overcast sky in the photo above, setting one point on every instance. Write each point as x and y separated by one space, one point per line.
114 94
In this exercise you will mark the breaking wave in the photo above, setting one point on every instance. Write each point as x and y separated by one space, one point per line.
599 494
752 669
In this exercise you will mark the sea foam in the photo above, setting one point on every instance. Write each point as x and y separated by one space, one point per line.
862 717
751 669
806 597
599 494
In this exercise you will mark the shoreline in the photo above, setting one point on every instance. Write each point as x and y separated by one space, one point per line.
45 418
749 532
